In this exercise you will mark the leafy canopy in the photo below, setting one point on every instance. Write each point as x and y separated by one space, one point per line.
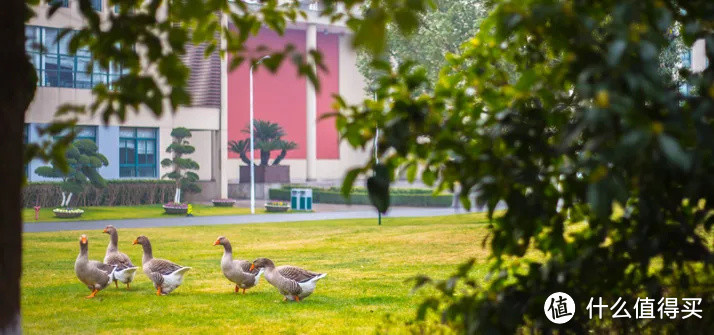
182 167
559 110
83 160
267 137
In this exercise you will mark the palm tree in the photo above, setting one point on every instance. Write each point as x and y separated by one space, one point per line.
268 137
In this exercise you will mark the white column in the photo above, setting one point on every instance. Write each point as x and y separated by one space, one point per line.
311 107
699 56
223 130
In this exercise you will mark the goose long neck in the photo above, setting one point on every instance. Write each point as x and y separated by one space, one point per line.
113 241
227 248
148 255
83 252
227 259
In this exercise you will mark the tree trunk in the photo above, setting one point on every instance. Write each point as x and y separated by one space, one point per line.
17 86
66 204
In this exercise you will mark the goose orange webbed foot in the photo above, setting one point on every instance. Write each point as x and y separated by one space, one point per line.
94 292
236 290
158 292
243 291
297 298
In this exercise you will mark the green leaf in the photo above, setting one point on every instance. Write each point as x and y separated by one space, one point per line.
673 151
378 188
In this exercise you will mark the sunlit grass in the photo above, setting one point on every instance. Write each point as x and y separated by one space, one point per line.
368 270
131 212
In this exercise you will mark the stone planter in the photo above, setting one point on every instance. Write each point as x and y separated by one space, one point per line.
223 202
67 213
266 174
276 207
176 209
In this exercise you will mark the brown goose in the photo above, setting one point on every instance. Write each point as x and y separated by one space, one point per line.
293 282
96 275
125 271
166 275
237 271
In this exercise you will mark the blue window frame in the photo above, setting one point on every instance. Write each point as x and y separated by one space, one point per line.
97 5
25 140
56 67
137 152
62 3
84 133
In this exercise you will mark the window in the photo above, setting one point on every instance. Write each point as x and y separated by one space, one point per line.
62 3
83 133
56 67
25 140
97 5
137 152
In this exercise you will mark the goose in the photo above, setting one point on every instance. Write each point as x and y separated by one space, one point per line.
237 271
96 275
166 275
292 282
125 271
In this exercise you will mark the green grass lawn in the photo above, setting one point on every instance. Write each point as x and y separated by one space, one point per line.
131 212
367 266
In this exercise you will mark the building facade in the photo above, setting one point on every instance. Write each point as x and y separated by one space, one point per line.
219 110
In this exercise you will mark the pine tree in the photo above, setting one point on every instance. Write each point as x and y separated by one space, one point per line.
185 179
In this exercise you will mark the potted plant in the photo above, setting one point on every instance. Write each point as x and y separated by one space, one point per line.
182 169
268 137
276 206
83 160
223 202
175 208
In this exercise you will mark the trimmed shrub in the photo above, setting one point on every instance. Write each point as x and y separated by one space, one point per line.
398 197
117 193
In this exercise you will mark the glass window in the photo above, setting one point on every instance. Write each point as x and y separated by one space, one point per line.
83 133
97 5
137 152
62 3
57 67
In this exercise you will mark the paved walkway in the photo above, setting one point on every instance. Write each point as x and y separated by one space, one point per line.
234 219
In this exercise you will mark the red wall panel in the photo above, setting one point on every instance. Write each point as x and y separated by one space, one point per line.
327 137
281 97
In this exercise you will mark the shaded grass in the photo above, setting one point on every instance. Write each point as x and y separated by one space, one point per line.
368 267
131 212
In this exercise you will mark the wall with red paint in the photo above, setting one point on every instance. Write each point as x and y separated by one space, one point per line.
280 97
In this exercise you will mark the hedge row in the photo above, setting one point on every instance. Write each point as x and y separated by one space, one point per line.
362 190
117 193
327 196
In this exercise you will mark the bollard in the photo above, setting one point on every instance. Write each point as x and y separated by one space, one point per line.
37 212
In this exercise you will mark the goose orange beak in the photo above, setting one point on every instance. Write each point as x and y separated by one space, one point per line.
105 230
84 239
252 266
135 242
217 242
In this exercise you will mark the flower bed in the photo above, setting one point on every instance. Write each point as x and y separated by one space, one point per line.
276 206
175 208
223 202
67 213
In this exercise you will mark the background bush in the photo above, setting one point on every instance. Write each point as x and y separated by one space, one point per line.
117 193
398 196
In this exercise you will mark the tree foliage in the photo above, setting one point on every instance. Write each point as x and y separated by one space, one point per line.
83 160
182 166
267 137
559 110
441 29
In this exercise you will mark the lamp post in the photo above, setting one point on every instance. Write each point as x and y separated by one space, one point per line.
252 147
